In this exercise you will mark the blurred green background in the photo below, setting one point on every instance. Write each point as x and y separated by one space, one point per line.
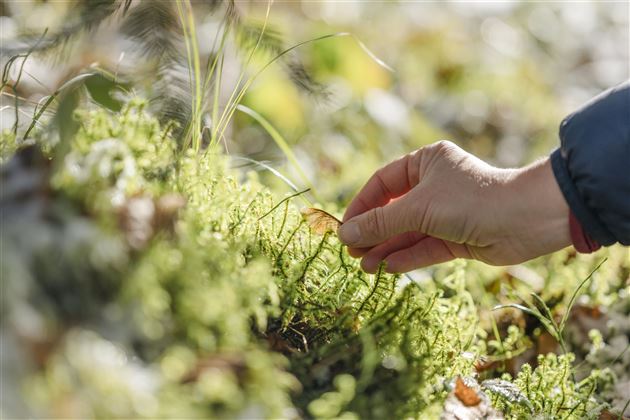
494 77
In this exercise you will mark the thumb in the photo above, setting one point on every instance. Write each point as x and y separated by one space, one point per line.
379 224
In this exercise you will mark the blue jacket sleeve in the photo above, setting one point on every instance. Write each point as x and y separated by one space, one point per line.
592 165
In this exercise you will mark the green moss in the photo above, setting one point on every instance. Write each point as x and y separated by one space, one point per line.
228 305
550 391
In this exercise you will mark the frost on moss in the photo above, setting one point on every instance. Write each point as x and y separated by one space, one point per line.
550 391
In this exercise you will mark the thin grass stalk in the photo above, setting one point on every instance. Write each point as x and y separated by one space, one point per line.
574 296
286 199
218 60
180 14
217 91
14 86
281 143
198 109
187 19
225 116
70 83
231 107
276 173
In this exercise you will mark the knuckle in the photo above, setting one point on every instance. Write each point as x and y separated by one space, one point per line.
376 221
435 152
444 147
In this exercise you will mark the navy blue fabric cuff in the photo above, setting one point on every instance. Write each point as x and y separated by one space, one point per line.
589 221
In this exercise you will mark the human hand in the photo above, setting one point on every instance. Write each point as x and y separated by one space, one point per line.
440 203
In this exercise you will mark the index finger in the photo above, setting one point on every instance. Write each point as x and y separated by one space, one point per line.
389 182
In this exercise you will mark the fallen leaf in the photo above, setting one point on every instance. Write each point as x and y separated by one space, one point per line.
467 401
467 395
320 221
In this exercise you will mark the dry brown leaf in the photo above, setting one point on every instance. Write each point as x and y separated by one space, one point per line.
320 221
467 401
467 395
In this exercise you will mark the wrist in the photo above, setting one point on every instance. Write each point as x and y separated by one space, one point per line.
538 216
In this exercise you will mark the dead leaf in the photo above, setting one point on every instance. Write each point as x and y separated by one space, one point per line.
467 401
467 395
320 221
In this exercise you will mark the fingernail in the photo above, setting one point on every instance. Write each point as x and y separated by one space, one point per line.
349 233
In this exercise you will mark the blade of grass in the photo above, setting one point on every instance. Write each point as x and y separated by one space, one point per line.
616 359
574 296
224 30
533 312
297 194
280 142
70 84
274 171
232 99
371 54
231 105
493 321
187 19
217 91
6 75
541 304
555 332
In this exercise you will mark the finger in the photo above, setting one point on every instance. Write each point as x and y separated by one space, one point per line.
427 252
374 256
391 181
358 252
381 223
